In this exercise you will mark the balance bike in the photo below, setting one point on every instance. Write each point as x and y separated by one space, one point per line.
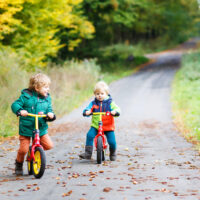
36 158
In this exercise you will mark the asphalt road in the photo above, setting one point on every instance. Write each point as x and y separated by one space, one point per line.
154 161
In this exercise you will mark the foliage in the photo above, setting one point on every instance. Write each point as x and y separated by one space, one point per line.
186 95
121 20
120 57
41 31
7 11
129 22
37 23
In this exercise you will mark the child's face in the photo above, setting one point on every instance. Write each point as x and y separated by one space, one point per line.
43 90
100 95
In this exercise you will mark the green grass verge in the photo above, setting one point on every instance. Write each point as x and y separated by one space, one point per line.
186 97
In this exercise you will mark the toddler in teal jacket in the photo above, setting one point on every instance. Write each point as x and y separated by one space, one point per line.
35 99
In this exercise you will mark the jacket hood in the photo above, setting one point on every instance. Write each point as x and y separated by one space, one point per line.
29 93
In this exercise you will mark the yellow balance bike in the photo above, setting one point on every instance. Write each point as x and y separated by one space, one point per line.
36 156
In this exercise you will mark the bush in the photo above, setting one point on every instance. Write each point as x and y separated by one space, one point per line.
120 56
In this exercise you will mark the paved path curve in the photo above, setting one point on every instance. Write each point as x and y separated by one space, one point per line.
154 160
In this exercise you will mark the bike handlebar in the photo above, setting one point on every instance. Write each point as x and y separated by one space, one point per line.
99 113
39 115
102 113
35 115
105 113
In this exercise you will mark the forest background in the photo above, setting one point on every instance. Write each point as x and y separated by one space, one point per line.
77 42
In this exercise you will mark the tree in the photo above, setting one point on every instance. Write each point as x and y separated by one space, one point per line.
8 8
35 35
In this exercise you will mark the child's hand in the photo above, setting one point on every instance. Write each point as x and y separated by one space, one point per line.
113 112
88 112
23 113
50 115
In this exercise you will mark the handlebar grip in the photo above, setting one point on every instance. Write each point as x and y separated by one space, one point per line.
18 113
117 114
50 120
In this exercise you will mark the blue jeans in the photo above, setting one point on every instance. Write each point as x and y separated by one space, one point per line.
110 135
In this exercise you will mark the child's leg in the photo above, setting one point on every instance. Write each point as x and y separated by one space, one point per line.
111 139
112 144
23 148
90 136
46 142
89 144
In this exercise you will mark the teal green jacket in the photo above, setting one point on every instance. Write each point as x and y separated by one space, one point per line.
33 103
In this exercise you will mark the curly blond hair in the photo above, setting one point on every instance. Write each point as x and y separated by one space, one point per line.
38 81
101 85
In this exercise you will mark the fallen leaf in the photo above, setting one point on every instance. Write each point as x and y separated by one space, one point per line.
131 168
19 178
107 189
82 185
36 189
23 190
67 194
135 182
164 183
175 193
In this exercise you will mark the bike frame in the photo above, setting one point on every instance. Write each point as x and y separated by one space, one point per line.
100 130
36 136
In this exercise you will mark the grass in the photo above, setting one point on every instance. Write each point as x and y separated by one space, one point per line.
186 97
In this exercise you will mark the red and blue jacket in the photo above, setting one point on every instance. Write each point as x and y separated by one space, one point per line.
107 105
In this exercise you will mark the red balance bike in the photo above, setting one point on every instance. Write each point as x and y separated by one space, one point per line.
100 139
36 156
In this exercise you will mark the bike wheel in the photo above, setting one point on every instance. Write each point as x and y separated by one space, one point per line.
99 150
103 155
40 162
29 163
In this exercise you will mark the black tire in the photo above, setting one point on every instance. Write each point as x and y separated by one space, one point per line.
103 155
40 162
30 163
99 150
